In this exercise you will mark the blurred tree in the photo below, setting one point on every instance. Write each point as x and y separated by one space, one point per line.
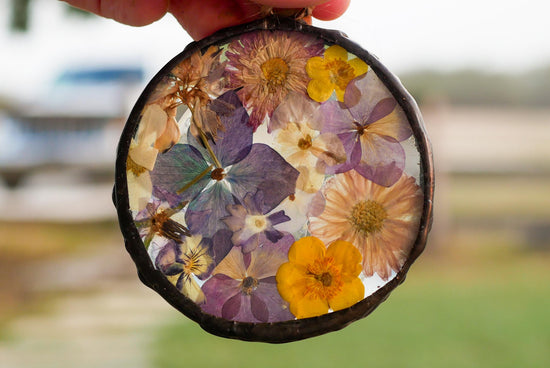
20 15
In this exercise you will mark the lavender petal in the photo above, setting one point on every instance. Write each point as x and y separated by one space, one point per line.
258 308
205 212
218 290
265 170
221 244
276 306
232 307
235 141
277 218
382 160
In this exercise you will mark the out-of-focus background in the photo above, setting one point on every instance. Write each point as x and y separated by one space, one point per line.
478 297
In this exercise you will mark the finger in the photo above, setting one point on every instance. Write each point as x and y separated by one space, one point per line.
202 18
331 9
290 3
131 12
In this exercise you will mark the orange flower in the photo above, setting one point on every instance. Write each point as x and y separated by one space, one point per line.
381 221
316 279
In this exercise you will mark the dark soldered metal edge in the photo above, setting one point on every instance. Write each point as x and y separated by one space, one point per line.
286 331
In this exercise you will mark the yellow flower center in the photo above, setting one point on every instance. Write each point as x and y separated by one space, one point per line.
256 223
326 279
305 143
275 72
340 72
248 285
367 216
134 168
191 266
196 261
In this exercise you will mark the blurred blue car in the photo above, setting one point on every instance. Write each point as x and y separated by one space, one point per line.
77 124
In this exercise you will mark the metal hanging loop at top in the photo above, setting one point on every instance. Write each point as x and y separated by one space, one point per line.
301 14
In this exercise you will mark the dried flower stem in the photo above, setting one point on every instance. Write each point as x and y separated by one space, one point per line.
205 141
210 151
195 179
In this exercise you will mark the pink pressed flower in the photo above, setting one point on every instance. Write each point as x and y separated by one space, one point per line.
266 66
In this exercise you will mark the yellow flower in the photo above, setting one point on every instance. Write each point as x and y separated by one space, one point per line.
332 73
382 222
316 279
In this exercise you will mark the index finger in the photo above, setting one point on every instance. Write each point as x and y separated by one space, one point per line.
130 12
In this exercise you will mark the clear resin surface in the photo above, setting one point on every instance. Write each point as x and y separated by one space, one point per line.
274 177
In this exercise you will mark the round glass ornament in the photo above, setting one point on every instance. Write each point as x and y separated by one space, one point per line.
274 182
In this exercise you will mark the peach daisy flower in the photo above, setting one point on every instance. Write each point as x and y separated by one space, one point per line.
382 222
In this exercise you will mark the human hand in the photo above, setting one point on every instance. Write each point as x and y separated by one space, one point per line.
203 17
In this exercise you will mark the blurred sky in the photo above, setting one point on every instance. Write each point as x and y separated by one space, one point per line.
502 36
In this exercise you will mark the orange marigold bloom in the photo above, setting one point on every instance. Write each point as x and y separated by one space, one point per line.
316 279
382 222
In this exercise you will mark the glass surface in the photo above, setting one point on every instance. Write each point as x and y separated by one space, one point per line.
274 177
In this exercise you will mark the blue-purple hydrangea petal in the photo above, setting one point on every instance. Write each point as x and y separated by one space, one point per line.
264 170
181 167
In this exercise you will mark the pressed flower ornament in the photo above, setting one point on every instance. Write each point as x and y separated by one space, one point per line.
274 182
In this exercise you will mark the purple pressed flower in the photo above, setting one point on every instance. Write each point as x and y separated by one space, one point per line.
251 225
182 263
243 286
370 124
191 172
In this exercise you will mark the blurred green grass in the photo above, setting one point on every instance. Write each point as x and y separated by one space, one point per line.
468 307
